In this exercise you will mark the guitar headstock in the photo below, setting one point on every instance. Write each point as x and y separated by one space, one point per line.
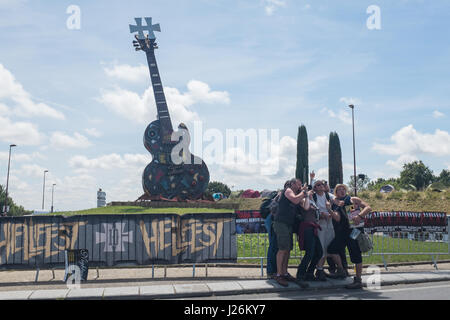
144 42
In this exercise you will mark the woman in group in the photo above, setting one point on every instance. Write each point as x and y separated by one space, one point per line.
352 211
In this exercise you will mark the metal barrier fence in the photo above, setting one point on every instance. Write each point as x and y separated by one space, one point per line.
432 243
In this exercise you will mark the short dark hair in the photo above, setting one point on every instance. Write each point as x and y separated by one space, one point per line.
290 182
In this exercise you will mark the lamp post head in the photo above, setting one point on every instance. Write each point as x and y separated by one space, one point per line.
45 171
12 145
351 106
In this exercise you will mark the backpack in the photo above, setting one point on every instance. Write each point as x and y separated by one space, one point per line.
269 205
364 242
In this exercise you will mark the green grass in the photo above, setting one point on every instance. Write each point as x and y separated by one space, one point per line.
141 210
254 245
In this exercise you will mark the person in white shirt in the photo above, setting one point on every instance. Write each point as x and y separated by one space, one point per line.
323 201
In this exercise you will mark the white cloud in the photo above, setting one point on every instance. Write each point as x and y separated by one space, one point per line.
280 166
318 148
142 109
128 73
437 114
343 115
21 157
61 140
400 161
408 141
272 5
33 170
23 133
348 101
110 161
24 106
93 132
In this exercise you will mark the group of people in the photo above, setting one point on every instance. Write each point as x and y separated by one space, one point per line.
325 223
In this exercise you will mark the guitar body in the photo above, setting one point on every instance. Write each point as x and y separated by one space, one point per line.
163 178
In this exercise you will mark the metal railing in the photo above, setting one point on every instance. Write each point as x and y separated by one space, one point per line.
253 247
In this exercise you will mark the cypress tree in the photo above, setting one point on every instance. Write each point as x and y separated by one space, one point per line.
335 170
302 169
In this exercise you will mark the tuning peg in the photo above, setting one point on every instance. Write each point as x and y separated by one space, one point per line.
135 42
137 49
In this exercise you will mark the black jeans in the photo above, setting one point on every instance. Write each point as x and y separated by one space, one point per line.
313 253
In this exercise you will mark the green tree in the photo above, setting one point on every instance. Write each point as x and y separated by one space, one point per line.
417 174
375 185
302 168
218 187
14 210
444 178
335 170
362 182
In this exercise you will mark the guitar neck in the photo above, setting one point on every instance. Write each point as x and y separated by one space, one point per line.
160 98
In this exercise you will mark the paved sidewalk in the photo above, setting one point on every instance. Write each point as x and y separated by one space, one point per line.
138 283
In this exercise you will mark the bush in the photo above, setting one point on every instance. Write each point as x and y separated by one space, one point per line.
412 195
364 195
395 195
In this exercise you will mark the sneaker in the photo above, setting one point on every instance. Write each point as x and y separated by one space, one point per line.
357 284
320 275
308 277
281 280
288 277
340 274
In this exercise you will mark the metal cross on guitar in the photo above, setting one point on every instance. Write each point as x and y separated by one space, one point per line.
174 172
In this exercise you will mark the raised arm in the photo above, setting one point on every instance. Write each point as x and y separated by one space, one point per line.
294 198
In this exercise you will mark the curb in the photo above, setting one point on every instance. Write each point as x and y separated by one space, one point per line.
198 290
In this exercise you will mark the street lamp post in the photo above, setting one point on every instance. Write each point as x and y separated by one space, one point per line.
354 154
7 179
53 189
43 190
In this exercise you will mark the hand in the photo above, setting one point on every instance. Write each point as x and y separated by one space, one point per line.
310 194
340 203
324 215
357 219
328 205
304 188
312 175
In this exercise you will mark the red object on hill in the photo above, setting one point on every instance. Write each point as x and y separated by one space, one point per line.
249 193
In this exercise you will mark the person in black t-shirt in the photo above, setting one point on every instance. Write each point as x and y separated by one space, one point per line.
352 211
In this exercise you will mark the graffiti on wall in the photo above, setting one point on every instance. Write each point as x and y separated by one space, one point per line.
112 239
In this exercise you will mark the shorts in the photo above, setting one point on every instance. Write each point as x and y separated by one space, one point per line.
342 240
284 235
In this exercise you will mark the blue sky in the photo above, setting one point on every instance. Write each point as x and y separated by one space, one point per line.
77 102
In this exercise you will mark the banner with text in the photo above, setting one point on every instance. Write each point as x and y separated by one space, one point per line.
119 239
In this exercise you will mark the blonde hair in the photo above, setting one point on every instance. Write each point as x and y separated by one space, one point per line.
340 186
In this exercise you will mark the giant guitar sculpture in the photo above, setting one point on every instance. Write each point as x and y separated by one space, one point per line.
174 172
